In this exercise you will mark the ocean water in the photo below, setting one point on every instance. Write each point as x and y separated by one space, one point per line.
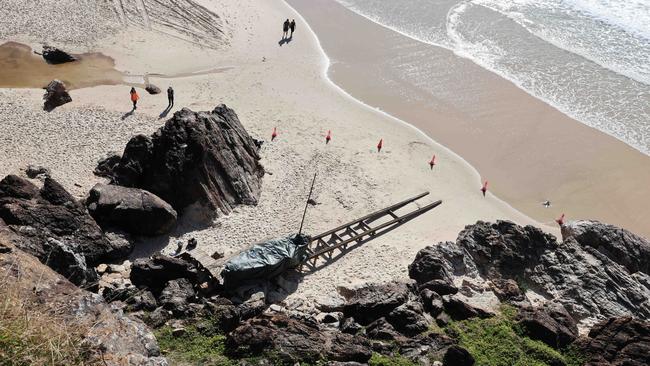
588 58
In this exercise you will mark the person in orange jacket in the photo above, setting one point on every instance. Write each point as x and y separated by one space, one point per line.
134 98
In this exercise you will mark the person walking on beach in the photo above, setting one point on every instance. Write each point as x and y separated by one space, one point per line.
134 98
285 28
170 97
292 26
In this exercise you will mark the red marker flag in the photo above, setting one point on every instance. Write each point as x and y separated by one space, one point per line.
328 137
380 145
484 188
274 134
433 161
560 220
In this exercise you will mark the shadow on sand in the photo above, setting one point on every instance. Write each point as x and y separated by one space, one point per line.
285 40
166 111
128 114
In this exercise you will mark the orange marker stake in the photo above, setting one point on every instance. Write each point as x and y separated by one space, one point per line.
432 162
274 134
484 188
380 145
560 220
328 137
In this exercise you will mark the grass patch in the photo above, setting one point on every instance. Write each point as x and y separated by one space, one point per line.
193 347
381 360
497 341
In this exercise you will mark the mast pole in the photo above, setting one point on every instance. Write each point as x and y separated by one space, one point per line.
307 204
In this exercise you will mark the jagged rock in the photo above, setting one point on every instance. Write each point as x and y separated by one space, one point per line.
424 347
111 337
621 341
461 310
55 95
457 356
143 300
507 290
409 318
131 209
296 341
383 330
205 160
350 326
585 281
550 324
158 317
106 166
51 225
34 171
431 301
441 287
152 89
224 313
155 272
53 55
374 301
623 247
177 295
429 265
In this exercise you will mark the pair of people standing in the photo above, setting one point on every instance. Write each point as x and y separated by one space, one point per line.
288 26
135 97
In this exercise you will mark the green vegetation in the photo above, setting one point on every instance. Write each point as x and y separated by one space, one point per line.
381 360
498 341
193 347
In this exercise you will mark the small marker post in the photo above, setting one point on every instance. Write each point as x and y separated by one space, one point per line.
560 220
274 134
380 145
328 137
484 188
432 162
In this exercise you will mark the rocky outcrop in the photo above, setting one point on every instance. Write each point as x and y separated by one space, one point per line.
586 281
154 273
617 342
110 337
292 341
55 95
133 210
374 301
623 247
550 324
51 225
199 160
53 55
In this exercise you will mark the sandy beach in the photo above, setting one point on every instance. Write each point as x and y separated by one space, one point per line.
269 86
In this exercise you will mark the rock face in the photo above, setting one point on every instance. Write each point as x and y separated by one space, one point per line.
623 247
617 342
588 283
55 95
202 160
374 301
133 210
51 225
155 272
296 341
550 324
55 56
112 337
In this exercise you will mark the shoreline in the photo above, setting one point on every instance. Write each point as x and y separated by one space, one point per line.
602 178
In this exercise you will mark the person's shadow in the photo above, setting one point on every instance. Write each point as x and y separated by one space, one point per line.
166 111
128 114
285 40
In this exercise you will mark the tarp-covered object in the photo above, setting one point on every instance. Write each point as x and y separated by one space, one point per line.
265 260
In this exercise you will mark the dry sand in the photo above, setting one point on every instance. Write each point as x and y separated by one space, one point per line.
268 86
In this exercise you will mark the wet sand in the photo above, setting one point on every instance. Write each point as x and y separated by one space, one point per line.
22 68
529 151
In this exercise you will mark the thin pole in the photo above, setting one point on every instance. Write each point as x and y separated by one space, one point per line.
307 204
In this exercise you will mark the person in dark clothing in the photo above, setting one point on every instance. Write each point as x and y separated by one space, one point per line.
292 26
285 28
170 96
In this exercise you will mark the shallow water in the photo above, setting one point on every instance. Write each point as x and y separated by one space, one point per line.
20 67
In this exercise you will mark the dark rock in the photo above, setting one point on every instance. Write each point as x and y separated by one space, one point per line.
177 295
34 171
13 186
205 160
152 89
383 330
55 95
106 166
53 55
294 341
409 318
252 307
441 287
51 225
423 348
111 293
507 290
460 310
621 341
350 326
623 247
443 319
158 317
134 210
429 264
225 314
143 300
550 324
155 272
457 356
374 301
431 301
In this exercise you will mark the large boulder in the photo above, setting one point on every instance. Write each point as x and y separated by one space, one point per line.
177 295
374 301
131 209
155 272
623 247
51 225
621 341
550 324
294 341
203 160
55 95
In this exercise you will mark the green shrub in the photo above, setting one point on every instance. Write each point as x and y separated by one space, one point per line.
193 347
381 360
